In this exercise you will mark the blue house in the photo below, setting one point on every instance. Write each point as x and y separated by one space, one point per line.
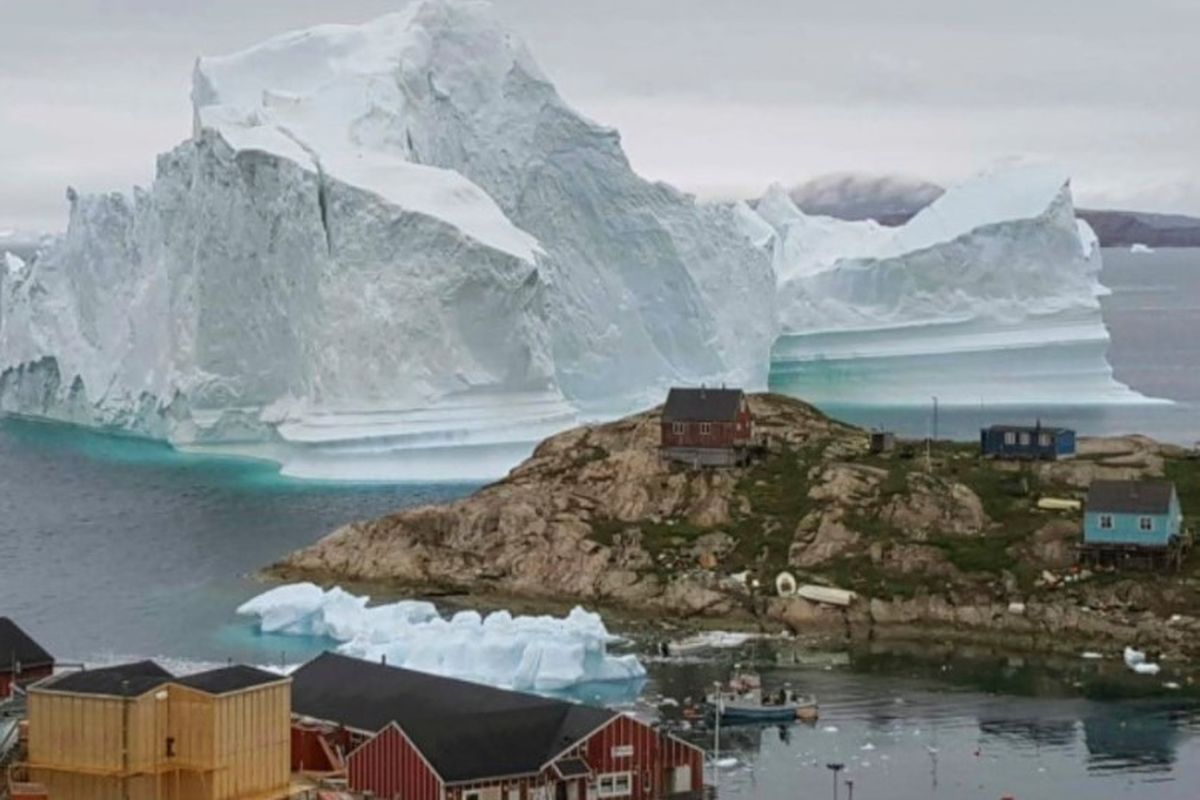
1027 441
1132 514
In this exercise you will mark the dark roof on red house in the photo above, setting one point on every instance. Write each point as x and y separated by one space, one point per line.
702 405
1130 497
17 646
466 731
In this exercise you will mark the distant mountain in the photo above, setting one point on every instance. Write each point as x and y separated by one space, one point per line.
879 197
893 200
1123 228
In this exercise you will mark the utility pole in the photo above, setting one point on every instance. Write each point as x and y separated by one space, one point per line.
835 768
717 737
850 788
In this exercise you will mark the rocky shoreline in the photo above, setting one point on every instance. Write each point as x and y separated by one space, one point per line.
949 548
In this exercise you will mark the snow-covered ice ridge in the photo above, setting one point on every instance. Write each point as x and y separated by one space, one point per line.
387 250
989 293
540 654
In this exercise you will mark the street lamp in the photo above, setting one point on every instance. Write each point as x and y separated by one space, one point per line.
850 788
835 768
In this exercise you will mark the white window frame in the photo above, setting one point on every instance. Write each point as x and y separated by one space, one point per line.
1045 440
1146 524
705 428
513 793
1010 437
1025 438
1106 522
678 428
614 784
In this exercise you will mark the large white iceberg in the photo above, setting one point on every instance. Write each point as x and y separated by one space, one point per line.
383 243
991 293
541 654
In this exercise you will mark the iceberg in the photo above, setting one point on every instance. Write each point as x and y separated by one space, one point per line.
990 292
387 250
539 654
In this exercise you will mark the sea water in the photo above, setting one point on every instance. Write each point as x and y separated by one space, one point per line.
114 548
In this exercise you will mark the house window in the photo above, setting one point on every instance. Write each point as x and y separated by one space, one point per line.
514 793
1010 437
1146 523
472 795
677 428
1106 522
614 784
705 428
1044 439
1025 439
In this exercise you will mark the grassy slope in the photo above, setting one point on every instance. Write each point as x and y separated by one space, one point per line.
772 498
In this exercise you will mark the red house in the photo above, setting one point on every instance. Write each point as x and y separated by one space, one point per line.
707 427
416 736
22 660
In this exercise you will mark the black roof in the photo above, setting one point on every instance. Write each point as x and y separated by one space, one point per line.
467 731
18 646
139 677
1028 429
122 680
702 405
1130 497
228 679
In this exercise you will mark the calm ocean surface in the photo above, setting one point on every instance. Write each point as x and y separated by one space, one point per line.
113 548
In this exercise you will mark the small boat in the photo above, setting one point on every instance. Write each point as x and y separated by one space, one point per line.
743 701
703 642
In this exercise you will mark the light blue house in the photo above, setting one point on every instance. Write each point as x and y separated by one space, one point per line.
1132 514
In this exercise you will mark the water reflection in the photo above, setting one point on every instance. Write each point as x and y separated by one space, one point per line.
1122 738
952 723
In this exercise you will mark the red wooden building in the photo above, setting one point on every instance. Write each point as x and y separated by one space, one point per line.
416 736
707 427
22 660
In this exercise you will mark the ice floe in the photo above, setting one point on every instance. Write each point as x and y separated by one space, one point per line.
533 653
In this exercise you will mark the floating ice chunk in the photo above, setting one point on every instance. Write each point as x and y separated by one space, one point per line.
1136 661
1170 685
1141 248
1091 655
867 746
532 653
726 763
1133 657
830 729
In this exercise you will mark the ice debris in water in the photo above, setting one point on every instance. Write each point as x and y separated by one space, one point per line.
531 653
1136 661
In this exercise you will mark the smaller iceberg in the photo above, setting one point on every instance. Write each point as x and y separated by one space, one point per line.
530 653
1141 249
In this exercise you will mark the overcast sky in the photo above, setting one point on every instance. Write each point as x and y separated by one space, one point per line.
720 97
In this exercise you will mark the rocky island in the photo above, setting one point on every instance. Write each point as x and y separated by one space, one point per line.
934 542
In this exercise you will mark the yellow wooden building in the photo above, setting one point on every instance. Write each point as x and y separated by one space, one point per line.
135 732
